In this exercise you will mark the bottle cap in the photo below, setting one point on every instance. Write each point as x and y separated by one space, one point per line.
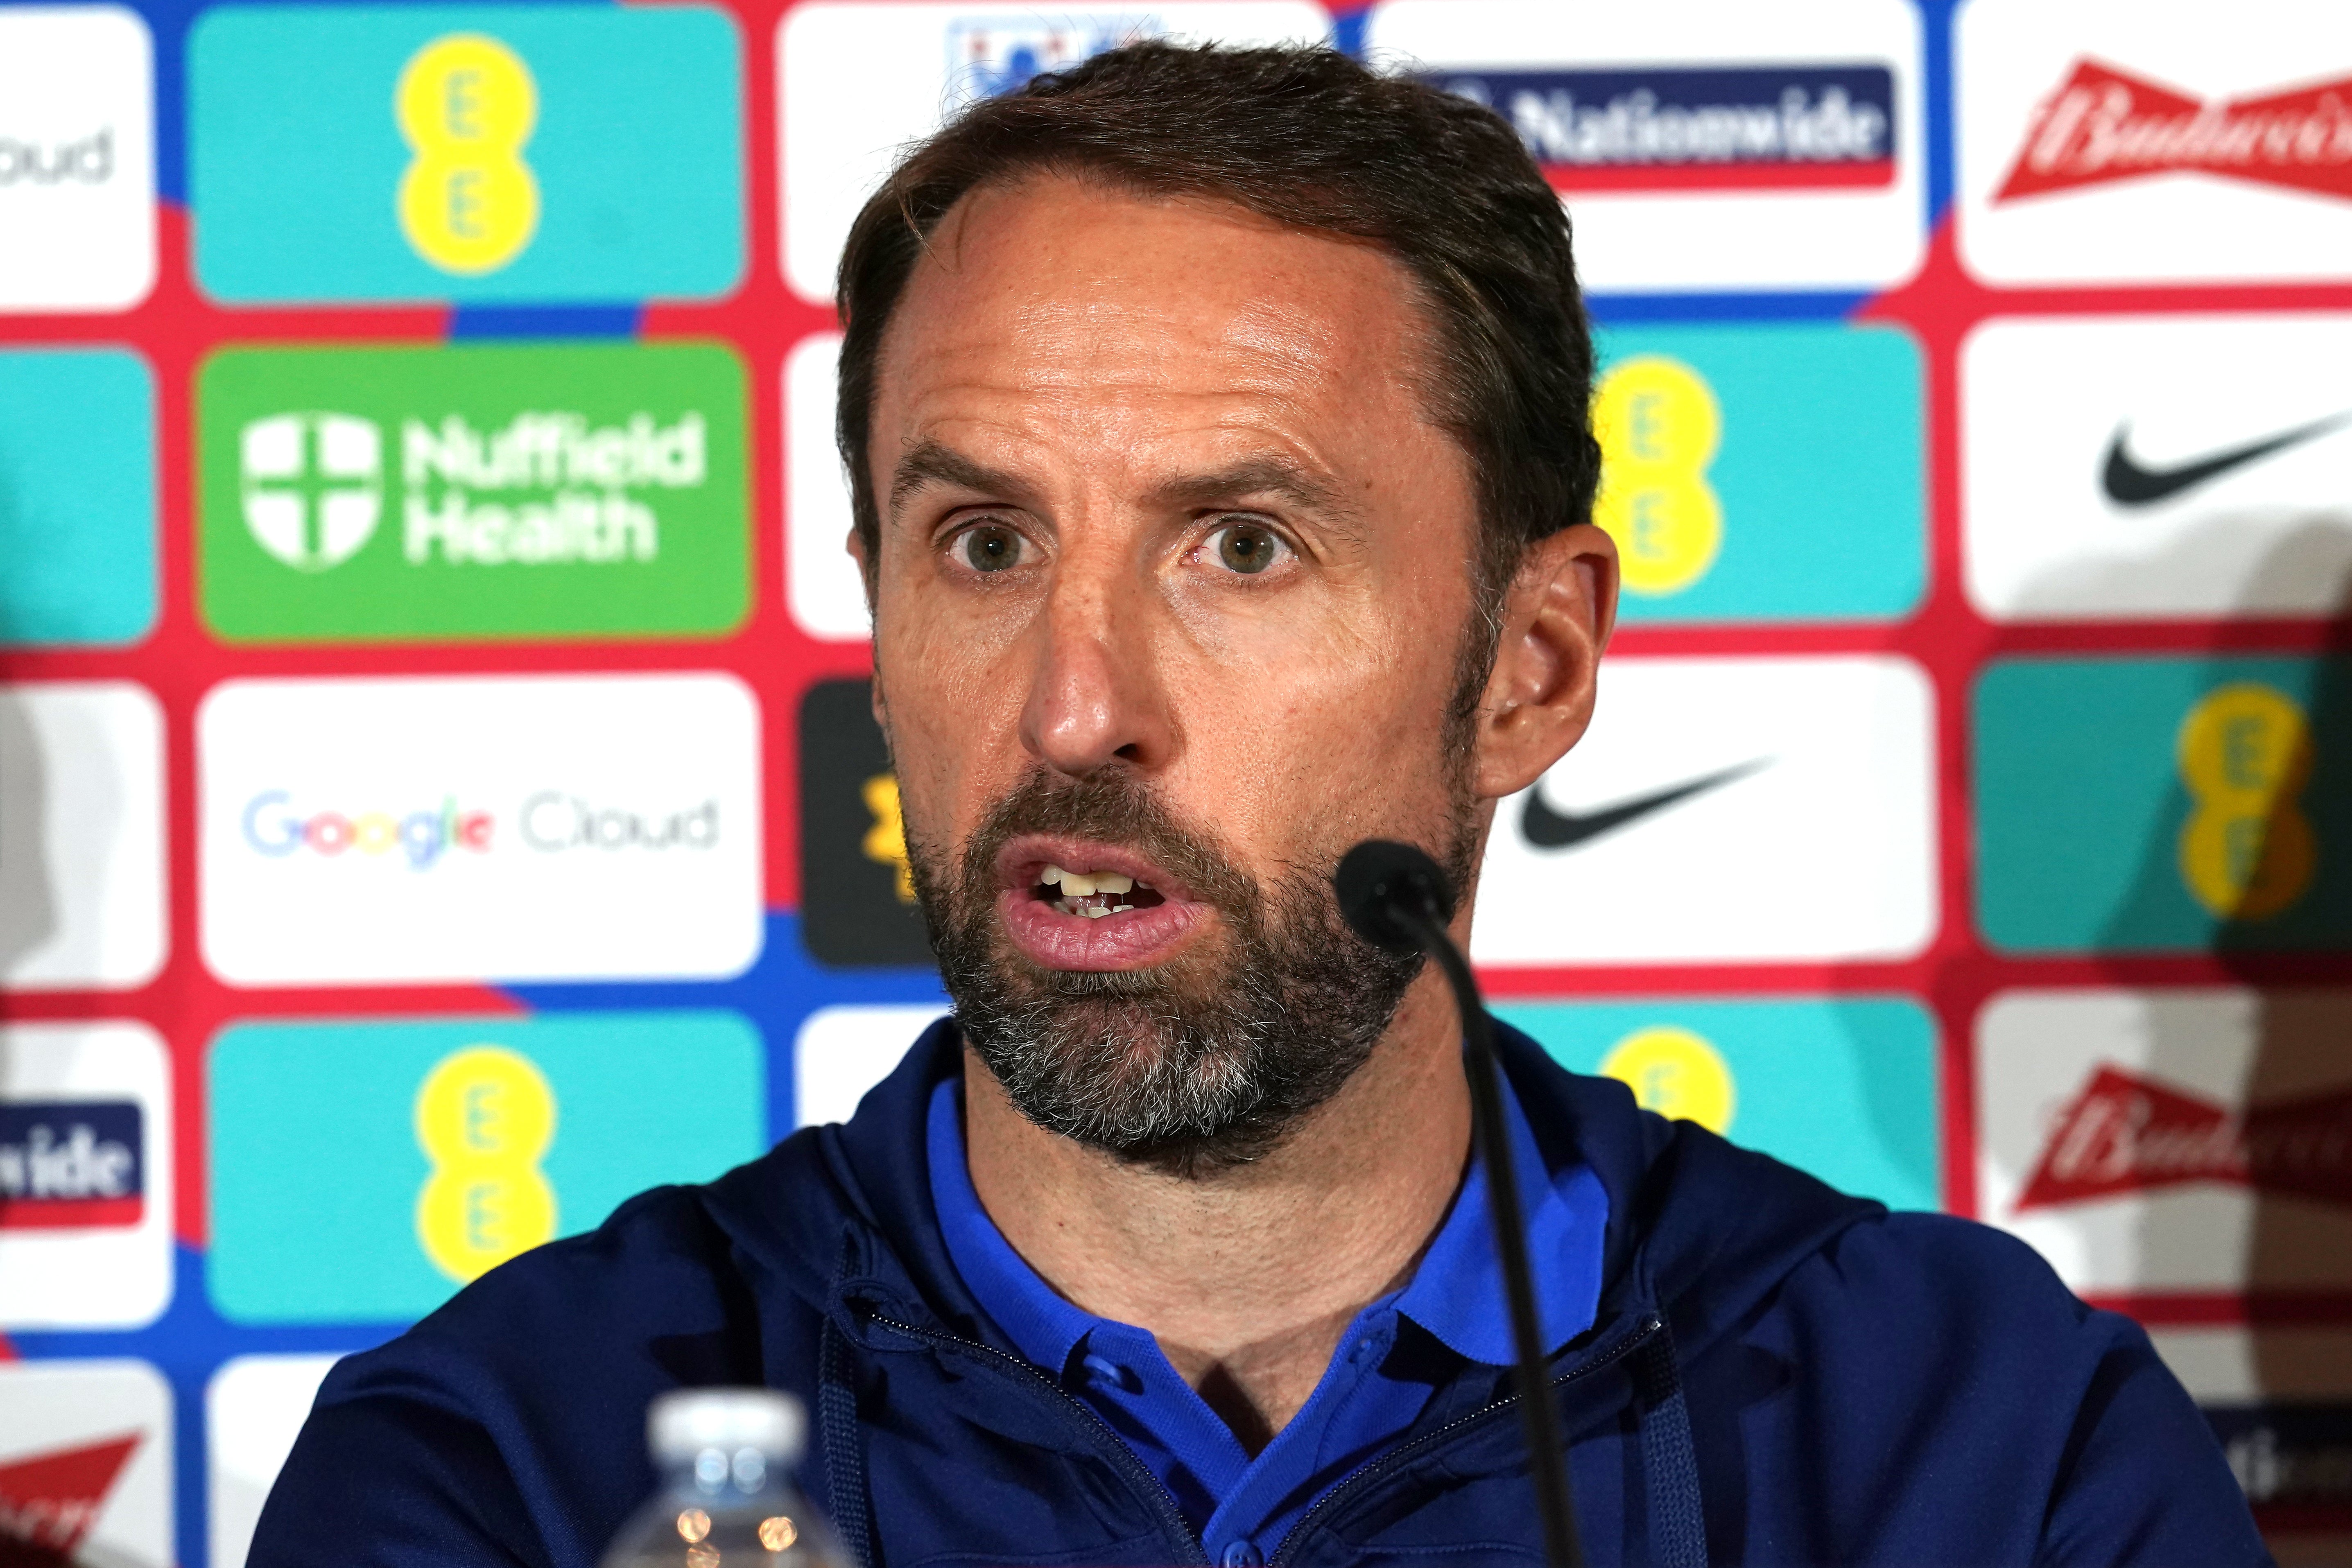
684 1422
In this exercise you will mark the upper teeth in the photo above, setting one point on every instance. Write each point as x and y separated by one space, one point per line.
1074 885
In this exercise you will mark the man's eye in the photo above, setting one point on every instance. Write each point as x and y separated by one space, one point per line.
1247 547
991 548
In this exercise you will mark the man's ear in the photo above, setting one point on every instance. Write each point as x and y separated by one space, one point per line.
1557 618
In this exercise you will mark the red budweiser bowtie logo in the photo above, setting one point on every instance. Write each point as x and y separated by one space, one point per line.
2103 125
2125 1133
48 1503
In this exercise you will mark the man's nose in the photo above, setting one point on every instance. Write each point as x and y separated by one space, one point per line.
1095 696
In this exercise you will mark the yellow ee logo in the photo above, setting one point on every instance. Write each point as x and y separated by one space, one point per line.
2247 850
1659 427
466 104
485 1117
886 841
1676 1074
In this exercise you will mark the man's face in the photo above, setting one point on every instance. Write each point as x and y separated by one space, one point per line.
1171 598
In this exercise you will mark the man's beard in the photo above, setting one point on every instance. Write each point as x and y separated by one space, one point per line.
1191 1066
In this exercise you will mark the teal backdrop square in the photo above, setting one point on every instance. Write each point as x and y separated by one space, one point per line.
1841 1087
77 497
295 156
316 1166
1820 473
2080 805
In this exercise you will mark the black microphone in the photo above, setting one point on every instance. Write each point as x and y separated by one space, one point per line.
1395 897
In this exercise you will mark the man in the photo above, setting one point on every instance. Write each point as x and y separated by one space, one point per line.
1216 423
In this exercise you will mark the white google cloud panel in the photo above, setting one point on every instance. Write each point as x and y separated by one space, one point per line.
821 581
2120 468
480 828
1700 145
859 80
2104 141
254 1409
76 158
1725 810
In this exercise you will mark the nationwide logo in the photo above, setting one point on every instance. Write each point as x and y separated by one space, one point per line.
86 161
49 1503
2103 124
561 488
71 1164
988 58
2125 1132
550 821
1723 128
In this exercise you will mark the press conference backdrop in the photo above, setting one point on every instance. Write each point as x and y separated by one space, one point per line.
437 792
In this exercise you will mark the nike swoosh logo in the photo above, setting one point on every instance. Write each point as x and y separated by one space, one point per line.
1550 829
2130 483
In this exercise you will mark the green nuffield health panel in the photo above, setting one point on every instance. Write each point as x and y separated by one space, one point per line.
2164 805
473 493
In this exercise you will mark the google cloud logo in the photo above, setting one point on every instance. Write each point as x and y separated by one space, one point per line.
314 485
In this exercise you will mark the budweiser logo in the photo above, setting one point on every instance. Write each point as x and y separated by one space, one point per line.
2125 1133
49 1503
2103 125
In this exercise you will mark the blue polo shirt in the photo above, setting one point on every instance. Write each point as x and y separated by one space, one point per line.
1391 1359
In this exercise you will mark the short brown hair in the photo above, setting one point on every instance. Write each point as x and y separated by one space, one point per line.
1310 138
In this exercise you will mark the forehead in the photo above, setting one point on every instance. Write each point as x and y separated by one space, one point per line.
1071 290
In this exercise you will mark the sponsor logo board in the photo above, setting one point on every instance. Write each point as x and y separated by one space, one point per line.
857 890
85 1175
533 154
1702 145
86 1464
78 465
254 1409
2100 142
557 827
76 158
1731 499
474 492
458 1144
858 80
2280 1403
2151 1143
2158 466
843 1052
2161 805
81 835
821 581
1725 810
1843 1087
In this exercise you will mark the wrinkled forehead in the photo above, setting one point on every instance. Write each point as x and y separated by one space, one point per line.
1071 290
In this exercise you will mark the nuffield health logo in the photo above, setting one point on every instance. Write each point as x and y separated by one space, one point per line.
314 485
483 492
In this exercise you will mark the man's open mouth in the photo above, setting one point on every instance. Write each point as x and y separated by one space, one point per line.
1093 895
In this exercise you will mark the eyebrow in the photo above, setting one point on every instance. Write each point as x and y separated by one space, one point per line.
1272 475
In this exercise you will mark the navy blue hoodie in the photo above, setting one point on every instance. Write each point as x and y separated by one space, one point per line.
1779 1374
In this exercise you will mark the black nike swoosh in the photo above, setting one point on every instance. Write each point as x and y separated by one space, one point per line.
1550 829
2129 483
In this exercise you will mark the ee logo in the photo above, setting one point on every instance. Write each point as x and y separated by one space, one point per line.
466 104
1659 426
1675 1072
2247 850
485 1117
885 842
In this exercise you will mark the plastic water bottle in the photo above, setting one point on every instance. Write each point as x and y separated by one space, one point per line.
727 1497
